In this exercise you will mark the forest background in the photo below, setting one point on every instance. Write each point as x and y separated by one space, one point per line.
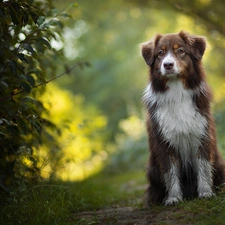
90 119
107 35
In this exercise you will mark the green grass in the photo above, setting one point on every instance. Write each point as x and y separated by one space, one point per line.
57 203
43 204
206 212
107 190
195 212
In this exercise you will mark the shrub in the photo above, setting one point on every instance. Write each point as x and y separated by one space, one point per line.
26 57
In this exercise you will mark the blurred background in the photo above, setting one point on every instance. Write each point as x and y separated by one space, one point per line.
91 118
98 108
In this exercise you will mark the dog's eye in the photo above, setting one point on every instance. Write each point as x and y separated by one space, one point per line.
160 53
180 51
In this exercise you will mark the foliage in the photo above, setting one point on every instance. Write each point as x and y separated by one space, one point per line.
26 57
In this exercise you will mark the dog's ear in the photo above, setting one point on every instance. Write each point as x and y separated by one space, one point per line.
197 44
148 49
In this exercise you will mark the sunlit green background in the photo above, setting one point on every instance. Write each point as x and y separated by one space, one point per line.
98 108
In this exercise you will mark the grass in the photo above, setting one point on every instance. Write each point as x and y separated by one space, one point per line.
195 212
43 204
206 212
107 190
57 203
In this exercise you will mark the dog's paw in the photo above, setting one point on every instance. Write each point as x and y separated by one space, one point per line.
172 201
206 194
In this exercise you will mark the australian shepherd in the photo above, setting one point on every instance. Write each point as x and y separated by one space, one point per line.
184 159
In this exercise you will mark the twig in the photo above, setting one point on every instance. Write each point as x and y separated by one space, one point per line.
44 83
60 75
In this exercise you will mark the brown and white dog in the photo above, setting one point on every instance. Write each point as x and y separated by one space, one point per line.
184 159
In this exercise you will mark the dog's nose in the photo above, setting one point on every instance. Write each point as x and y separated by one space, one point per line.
168 65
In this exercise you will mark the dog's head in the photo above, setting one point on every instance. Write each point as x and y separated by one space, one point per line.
173 55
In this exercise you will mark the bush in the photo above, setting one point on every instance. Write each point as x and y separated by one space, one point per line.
26 57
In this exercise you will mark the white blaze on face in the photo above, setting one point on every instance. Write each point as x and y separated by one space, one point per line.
169 59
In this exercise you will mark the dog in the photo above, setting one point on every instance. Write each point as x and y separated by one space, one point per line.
184 160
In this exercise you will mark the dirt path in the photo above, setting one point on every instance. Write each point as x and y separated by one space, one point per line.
127 216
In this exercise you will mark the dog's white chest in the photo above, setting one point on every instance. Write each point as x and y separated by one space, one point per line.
179 120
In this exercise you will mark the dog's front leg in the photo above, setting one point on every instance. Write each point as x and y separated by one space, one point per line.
204 178
173 186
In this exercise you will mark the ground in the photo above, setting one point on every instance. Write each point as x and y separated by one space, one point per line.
128 208
105 199
126 216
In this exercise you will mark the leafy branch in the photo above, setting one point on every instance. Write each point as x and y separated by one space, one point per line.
21 20
80 64
27 57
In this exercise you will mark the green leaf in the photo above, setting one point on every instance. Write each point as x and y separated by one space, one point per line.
31 80
26 87
40 20
28 48
65 15
34 16
25 18
22 57
39 74
56 22
6 121
30 99
3 83
37 126
50 34
13 66
54 11
14 16
45 42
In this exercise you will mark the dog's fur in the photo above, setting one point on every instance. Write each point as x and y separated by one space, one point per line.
184 160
